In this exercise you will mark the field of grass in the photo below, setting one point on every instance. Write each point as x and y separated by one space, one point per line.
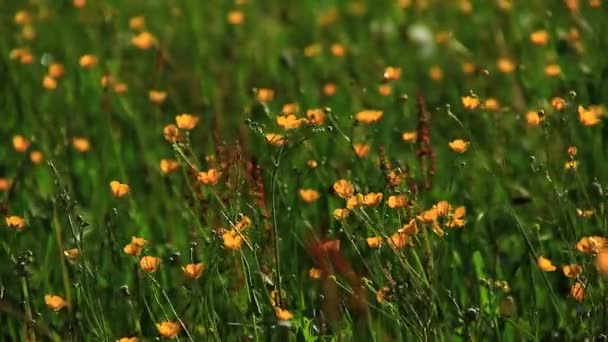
257 170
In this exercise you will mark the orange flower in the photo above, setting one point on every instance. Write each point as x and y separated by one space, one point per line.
136 246
533 118
20 143
55 70
193 271
186 121
331 246
128 339
341 213
468 68
577 291
168 329
309 195
601 262
374 242
313 50
584 213
290 121
398 240
344 188
469 102
149 264
79 3
72 253
354 201
369 116
168 165
330 89
119 189
5 184
316 116
455 218
436 73
540 37
49 83
36 157
210 177
235 17
491 105
137 23
311 163
558 103
144 40
385 89
232 240
120 88
459 145
572 151
157 97
571 165
545 264
572 270
396 201
275 139
553 70
171 133
282 314
372 199
505 65
392 73
15 222
315 273
409 137
81 144
361 150
588 117
382 294
338 50
264 95
88 61
592 244
55 302
410 228
22 17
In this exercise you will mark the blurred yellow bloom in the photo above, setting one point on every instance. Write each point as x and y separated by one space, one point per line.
88 61
290 108
465 6
290 121
571 165
282 314
601 262
315 273
144 40
588 117
128 339
382 293
409 137
72 253
81 144
572 270
15 222
361 150
316 116
264 95
79 3
396 201
354 201
459 145
410 228
595 3
209 177
338 50
553 70
572 5
385 89
309 195
341 213
545 264
137 23
577 291
330 89
468 68
505 65
491 105
149 264
36 157
392 73
558 103
55 302
311 163
372 199
120 88
55 70
232 240
540 37
369 116
584 213
186 121
235 17
119 189
171 133
168 329
374 242
398 240
469 102
592 244
455 218
275 139
313 50
157 97
533 118
5 184
344 188
194 271
49 83
436 73
168 165
20 143
22 17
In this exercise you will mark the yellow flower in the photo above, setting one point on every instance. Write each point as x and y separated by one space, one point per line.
533 118
540 37
313 50
369 116
79 3
584 213
193 271
186 121
409 137
168 165
553 70
157 97
168 329
290 121
15 222
588 117
601 262
577 291
595 3
455 218
398 240
396 201
282 314
374 242
372 199
392 73
235 17
171 133
572 270
341 213
505 65
128 339
354 201
338 50
49 83
491 105
382 294
144 40
36 157
120 88
394 177
132 249
361 150
72 253
545 264
311 163
330 89
571 165
232 240
315 273
468 68
592 244
55 302
81 144
343 188
316 116
243 223
275 139
55 70
20 143
410 228
290 108
436 73
137 23
119 189
22 17
264 95
210 177
469 102
385 89
88 61
309 195
558 103
149 264
5 184
459 145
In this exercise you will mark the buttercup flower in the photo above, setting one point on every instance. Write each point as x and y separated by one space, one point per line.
157 97
577 291
235 17
15 222
341 213
338 50
290 108
392 73
119 189
186 121
601 262
491 105
136 246
382 293
290 121
316 116
372 199
275 139
120 88
282 314
149 264
330 89
81 144
232 240
143 40
468 68
72 253
168 165
128 339
398 240
469 102
369 116
36 157
558 103
571 165
137 23
264 95
396 201
409 137
20 143
88 61
459 145
533 118
55 70
436 73
343 188
309 195
540 37
315 273
572 270
385 89
361 150
553 70
505 65
592 244
374 242
55 302
171 133
545 264
311 163
49 83
210 177
5 184
193 271
168 329
588 117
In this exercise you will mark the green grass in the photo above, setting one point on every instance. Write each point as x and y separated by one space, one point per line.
479 282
